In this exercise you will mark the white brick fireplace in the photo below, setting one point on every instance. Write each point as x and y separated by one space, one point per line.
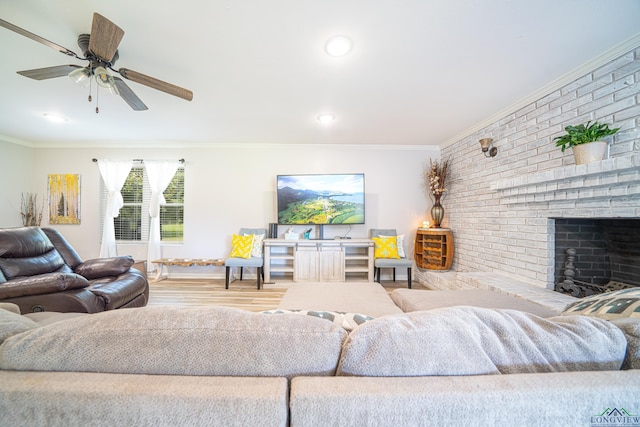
502 209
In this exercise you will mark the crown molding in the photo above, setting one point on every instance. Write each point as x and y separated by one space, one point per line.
16 141
217 145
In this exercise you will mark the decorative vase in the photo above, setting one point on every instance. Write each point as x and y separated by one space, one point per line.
437 211
590 152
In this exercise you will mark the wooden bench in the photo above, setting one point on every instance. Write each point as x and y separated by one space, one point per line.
184 262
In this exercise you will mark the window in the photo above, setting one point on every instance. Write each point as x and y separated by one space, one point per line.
172 213
128 224
133 222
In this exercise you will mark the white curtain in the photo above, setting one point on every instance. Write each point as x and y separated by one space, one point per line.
114 174
160 174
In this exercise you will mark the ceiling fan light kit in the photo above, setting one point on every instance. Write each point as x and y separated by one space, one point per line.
81 76
104 79
100 48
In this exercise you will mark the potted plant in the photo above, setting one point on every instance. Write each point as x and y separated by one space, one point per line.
585 141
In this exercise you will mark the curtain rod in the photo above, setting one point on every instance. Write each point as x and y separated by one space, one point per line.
138 160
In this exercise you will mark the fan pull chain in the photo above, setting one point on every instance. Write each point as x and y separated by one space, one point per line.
97 99
89 99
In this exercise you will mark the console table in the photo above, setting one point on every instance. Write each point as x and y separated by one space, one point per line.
434 248
319 260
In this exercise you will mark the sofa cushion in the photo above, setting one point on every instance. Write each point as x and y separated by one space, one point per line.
475 341
420 300
42 284
12 324
27 251
14 308
368 298
608 305
48 262
631 329
43 318
104 267
23 242
70 256
180 341
348 321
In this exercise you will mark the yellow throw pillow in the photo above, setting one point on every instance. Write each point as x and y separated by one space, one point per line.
386 247
241 246
400 245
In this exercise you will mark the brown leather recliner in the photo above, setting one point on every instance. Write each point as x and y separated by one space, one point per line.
40 271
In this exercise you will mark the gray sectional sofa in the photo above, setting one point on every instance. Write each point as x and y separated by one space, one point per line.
310 366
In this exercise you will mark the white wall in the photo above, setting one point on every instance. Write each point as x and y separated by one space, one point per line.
15 179
228 187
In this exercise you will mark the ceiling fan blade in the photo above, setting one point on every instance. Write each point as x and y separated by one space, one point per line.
129 97
49 72
156 84
105 37
23 32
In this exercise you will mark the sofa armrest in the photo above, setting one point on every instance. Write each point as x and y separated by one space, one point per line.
61 398
561 398
42 284
104 267
118 292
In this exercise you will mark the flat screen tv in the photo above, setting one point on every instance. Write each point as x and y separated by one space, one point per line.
321 199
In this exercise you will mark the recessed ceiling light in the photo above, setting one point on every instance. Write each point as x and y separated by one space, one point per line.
326 118
55 118
338 45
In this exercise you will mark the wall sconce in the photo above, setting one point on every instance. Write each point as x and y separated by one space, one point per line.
487 149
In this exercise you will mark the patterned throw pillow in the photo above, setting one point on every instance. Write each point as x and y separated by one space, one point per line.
348 321
399 245
241 246
386 247
609 305
256 250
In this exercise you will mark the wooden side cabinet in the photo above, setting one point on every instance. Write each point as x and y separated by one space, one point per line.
434 248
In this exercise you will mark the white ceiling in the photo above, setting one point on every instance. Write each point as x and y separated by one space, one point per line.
421 71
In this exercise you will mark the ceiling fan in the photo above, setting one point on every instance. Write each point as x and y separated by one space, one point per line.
100 48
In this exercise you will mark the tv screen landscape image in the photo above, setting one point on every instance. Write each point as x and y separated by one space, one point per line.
321 199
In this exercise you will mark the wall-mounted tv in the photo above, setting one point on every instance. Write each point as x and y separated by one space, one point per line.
321 199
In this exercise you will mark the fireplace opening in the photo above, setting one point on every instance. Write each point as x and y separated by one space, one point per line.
596 255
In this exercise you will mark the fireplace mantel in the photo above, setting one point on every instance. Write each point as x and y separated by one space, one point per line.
609 179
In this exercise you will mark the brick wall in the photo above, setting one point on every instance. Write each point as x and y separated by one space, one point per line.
500 209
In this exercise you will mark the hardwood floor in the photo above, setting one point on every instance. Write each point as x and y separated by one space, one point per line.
241 294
